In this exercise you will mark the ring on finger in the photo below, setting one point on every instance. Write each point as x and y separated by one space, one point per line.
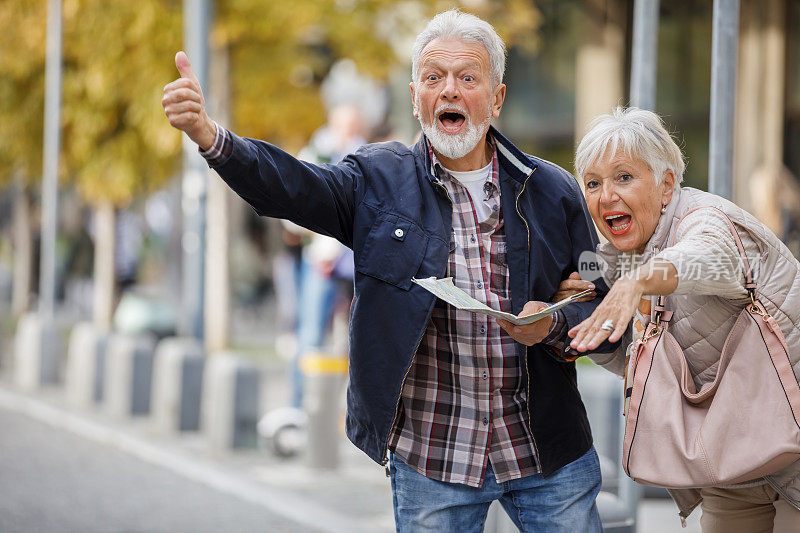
608 325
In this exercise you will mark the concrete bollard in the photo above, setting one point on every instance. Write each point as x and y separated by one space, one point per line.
37 354
86 360
498 521
614 514
177 384
609 470
230 404
129 373
325 377
601 392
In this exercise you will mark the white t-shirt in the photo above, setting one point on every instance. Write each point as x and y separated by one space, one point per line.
473 181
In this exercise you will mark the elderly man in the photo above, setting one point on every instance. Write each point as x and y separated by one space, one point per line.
463 410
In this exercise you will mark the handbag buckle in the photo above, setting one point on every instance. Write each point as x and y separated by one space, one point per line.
755 306
653 332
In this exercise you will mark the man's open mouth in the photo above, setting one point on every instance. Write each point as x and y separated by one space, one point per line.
451 121
618 222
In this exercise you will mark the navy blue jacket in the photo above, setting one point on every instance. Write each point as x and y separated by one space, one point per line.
383 187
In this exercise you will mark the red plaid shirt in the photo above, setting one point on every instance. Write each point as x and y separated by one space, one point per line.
463 401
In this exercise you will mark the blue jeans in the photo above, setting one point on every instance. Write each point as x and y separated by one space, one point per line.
561 502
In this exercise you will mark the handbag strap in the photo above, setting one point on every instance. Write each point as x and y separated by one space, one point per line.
661 313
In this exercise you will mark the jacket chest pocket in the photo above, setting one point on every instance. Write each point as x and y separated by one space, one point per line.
393 250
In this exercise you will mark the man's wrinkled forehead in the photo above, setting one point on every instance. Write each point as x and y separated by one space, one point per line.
453 52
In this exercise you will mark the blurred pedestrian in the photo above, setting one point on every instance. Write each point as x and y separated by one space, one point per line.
323 258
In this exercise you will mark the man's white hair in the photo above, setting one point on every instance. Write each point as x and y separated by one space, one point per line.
639 134
454 24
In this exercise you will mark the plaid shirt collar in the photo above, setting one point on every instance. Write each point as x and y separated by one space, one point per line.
492 185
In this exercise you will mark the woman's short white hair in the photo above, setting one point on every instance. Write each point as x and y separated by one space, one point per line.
454 24
639 134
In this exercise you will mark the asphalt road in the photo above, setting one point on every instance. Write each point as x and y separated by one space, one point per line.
54 481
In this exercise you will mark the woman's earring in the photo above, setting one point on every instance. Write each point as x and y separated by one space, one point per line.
664 209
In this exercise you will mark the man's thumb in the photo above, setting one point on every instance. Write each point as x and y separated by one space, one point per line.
574 275
184 67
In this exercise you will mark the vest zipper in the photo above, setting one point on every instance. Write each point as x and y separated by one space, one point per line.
525 355
385 459
781 492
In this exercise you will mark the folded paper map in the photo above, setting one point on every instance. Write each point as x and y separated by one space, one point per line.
447 291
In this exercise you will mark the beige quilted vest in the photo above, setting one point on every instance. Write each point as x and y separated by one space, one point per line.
701 324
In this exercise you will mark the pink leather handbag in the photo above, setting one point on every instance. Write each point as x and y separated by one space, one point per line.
739 427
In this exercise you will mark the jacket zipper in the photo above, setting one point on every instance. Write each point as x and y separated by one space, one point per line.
516 203
397 403
439 183
525 355
403 383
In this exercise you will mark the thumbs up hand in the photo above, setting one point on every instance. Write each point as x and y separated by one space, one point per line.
185 107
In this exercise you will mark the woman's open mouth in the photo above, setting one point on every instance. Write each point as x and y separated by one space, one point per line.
618 222
451 121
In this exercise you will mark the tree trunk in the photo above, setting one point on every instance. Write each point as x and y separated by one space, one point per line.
104 249
23 249
218 286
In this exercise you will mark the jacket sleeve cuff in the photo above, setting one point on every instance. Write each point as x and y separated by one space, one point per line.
556 342
221 150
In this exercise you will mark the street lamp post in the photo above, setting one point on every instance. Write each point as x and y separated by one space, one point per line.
36 354
644 60
644 57
52 148
724 42
194 187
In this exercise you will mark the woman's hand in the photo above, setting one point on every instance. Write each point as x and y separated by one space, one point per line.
618 306
573 285
529 334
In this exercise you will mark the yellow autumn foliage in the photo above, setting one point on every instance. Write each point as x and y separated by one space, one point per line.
118 55
22 49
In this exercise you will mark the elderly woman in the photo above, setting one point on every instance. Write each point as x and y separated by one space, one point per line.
632 170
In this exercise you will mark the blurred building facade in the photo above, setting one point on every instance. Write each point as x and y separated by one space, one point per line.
582 69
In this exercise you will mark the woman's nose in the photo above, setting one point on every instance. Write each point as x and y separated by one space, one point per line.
608 193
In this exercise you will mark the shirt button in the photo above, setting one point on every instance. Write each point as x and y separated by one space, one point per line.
485 421
472 238
485 375
483 329
495 207
398 233
479 285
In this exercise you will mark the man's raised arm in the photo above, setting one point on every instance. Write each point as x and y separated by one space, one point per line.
273 182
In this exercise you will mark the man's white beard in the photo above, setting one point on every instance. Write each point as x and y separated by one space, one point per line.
458 145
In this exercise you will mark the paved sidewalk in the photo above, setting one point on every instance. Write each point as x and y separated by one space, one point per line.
264 494
53 480
73 470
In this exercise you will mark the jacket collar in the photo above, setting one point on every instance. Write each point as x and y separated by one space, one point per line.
516 164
